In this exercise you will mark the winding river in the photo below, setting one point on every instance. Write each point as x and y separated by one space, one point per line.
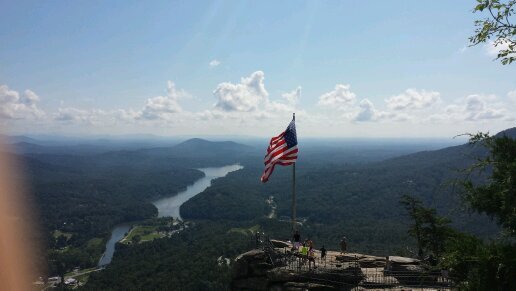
169 206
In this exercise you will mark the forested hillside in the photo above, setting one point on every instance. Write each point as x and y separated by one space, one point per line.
359 201
82 192
81 197
192 260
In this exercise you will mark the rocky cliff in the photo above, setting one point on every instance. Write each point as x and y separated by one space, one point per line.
278 268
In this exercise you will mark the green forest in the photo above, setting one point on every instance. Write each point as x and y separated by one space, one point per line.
143 145
359 201
81 198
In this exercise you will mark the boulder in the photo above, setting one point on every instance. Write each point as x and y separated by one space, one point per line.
346 257
250 264
253 270
404 265
403 260
410 272
281 244
364 261
372 262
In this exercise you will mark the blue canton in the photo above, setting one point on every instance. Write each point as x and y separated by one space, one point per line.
290 135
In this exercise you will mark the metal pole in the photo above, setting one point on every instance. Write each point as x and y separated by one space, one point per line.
294 226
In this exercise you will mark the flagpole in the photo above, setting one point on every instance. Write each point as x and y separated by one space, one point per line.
294 226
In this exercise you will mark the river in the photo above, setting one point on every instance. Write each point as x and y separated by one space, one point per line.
169 206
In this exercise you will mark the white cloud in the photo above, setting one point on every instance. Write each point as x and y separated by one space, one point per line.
125 115
214 63
493 48
163 107
277 107
340 96
413 99
367 112
477 108
243 97
160 108
247 104
248 101
473 108
14 105
512 96
95 117
343 99
293 96
70 114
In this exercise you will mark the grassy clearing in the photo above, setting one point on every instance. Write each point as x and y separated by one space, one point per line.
82 275
151 236
145 233
58 233
74 274
245 231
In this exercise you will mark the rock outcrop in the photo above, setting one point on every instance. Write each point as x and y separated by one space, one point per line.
254 271
279 269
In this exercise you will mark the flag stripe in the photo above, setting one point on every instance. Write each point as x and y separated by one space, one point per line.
274 151
280 155
282 150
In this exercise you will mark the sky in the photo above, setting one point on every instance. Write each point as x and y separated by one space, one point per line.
347 68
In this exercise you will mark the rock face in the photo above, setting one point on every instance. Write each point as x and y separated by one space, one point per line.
254 271
279 269
251 264
365 261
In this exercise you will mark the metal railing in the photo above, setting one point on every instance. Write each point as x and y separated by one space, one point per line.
348 271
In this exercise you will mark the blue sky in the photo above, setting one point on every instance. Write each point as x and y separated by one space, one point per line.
363 68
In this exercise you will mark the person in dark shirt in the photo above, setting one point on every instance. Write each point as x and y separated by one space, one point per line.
323 255
343 245
297 240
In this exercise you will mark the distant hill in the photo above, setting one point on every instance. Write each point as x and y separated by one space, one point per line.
455 157
510 132
198 145
16 139
200 152
26 147
79 149
359 200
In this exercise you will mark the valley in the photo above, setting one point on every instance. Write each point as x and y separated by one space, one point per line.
350 195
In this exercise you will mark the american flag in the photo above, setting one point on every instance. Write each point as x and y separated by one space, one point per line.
282 150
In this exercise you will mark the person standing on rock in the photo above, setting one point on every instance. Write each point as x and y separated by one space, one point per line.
311 258
343 245
323 255
311 253
297 240
310 244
